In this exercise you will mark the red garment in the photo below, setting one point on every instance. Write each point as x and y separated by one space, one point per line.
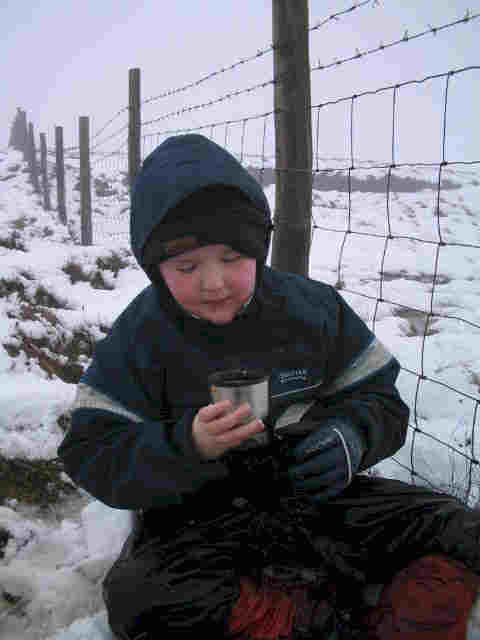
269 612
431 599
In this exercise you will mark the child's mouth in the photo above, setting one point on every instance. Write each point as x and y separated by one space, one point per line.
217 303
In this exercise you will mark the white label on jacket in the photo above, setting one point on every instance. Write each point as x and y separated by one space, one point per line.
293 375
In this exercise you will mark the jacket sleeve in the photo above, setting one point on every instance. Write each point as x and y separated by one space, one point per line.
128 462
360 389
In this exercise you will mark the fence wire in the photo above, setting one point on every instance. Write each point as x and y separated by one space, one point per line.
358 55
260 53
440 243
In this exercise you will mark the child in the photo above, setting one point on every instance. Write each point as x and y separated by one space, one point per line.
236 537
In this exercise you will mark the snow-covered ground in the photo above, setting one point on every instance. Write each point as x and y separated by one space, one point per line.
57 297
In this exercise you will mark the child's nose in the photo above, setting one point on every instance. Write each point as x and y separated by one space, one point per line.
212 278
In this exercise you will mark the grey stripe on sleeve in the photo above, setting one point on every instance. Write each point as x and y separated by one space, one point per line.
88 398
372 359
293 413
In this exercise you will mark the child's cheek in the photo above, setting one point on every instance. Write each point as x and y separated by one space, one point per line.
246 278
181 285
186 288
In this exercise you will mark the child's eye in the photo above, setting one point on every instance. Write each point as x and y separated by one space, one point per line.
231 257
186 268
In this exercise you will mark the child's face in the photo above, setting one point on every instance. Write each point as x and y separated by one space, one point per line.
211 282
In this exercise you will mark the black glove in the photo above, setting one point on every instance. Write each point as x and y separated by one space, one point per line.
325 462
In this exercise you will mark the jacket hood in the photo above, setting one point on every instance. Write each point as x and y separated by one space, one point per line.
180 166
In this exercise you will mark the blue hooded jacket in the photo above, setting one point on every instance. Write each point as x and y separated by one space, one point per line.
130 443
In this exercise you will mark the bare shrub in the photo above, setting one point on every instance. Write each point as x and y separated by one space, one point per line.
36 482
47 299
20 223
114 262
7 287
13 241
75 272
98 282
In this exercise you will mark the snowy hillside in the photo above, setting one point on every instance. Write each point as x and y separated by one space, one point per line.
58 297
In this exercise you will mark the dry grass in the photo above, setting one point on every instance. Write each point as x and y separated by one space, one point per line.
33 482
114 263
57 356
419 322
13 242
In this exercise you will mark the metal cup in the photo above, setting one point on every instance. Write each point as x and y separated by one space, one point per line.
240 386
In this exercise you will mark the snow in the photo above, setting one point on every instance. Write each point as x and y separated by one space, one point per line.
54 560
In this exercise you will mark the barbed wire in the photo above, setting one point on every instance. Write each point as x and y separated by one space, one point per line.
107 124
405 38
115 134
351 98
211 125
335 16
228 96
110 154
260 53
235 94
262 85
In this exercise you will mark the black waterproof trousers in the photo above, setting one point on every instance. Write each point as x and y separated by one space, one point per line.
184 583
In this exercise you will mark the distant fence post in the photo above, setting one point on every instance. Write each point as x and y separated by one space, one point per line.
293 135
25 138
85 189
44 169
32 159
18 139
60 172
133 124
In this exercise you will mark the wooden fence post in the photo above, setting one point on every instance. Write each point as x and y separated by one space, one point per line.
32 159
25 137
134 125
60 171
18 138
44 169
293 136
85 188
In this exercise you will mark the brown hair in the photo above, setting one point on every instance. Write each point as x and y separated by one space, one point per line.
180 245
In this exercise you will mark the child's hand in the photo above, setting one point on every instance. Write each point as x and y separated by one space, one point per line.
217 429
